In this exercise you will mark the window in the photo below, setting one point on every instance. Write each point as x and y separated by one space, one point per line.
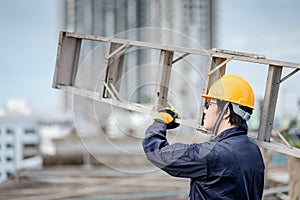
9 131
8 159
30 131
30 145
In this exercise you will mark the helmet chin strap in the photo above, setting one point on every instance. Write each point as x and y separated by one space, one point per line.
218 122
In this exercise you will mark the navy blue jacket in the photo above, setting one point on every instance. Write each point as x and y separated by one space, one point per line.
229 167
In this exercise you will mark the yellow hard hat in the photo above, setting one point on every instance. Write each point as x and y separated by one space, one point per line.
232 88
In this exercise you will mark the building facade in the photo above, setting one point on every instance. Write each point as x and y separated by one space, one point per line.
188 23
19 143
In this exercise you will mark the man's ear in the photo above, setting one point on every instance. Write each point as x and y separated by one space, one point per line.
227 114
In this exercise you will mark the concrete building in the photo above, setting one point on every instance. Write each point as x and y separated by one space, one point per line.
189 23
19 144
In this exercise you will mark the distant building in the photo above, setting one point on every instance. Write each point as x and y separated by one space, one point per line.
189 23
19 143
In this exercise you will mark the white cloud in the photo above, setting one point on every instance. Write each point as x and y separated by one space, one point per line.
19 106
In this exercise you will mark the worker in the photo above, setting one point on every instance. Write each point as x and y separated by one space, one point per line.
230 166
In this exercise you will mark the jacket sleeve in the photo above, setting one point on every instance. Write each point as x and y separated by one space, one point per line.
180 160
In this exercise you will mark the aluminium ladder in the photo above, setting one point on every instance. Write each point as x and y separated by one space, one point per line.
69 50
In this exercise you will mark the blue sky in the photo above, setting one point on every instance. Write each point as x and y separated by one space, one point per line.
29 31
28 51
270 28
265 27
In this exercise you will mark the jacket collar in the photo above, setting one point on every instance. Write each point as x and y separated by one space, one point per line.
229 133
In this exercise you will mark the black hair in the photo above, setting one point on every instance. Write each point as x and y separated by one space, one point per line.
234 118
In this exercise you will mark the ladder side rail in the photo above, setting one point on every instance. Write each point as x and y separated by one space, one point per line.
281 148
292 151
238 53
257 60
235 55
142 44
222 53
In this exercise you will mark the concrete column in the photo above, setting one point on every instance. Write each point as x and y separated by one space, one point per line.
294 177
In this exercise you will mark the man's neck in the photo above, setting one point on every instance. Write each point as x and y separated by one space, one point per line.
224 126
